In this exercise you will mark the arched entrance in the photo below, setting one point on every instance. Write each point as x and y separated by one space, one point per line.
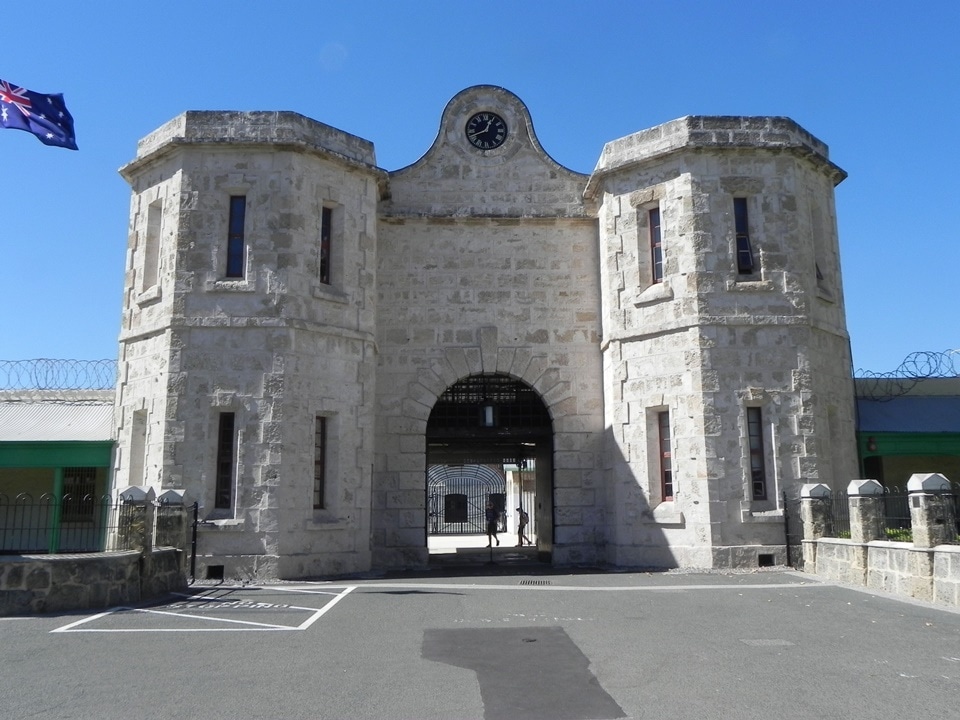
489 438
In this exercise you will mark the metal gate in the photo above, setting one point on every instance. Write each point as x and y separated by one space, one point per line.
457 497
793 532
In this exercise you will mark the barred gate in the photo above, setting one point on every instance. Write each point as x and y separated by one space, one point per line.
457 497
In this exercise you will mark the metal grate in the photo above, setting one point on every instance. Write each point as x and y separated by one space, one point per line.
457 496
460 408
534 582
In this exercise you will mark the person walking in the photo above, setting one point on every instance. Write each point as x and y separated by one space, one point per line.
492 518
522 520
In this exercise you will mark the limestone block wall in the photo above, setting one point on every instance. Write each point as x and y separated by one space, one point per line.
32 584
455 180
148 303
505 297
930 574
277 347
946 575
487 263
840 560
899 570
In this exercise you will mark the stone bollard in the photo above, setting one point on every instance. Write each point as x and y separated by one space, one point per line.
932 513
866 511
816 513
867 522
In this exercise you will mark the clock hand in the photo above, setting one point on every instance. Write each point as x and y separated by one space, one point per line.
481 132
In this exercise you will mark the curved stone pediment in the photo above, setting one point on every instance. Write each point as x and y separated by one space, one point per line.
515 178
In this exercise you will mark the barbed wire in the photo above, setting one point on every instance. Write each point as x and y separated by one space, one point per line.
915 367
47 374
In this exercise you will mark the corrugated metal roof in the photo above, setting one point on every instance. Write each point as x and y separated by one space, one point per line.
50 422
916 414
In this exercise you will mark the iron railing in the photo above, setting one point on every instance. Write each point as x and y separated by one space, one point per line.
72 524
896 514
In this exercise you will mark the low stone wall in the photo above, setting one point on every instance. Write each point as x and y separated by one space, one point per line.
165 574
928 568
931 574
946 575
57 583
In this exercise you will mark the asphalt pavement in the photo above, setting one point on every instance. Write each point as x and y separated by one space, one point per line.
523 646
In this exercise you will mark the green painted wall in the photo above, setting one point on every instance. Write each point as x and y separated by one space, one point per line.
904 454
55 454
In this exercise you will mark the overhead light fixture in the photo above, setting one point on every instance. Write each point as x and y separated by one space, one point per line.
486 414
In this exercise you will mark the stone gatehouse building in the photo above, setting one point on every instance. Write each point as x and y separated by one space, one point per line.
649 355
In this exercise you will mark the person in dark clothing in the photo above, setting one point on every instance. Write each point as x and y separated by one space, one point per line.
492 518
522 520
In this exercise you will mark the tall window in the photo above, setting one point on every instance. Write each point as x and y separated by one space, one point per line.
320 463
745 261
235 239
666 467
656 251
758 473
226 457
326 231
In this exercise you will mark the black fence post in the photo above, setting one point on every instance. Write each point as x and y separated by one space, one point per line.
193 543
786 528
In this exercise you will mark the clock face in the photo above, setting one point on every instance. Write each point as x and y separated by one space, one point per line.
486 130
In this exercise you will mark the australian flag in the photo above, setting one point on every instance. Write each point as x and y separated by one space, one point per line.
43 115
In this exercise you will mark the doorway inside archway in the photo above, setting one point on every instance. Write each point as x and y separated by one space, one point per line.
489 442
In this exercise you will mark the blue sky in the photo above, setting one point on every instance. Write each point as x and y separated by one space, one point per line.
878 81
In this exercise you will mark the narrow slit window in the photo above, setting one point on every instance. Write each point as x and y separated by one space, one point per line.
326 232
236 244
745 260
320 463
666 466
758 472
656 247
226 461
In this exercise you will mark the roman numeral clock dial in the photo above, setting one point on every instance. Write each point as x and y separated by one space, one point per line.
486 130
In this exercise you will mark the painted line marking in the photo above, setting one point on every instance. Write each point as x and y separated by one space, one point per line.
581 588
249 625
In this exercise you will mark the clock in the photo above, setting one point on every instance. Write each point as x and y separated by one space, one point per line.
486 130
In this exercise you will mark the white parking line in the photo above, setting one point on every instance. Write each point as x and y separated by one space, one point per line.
248 625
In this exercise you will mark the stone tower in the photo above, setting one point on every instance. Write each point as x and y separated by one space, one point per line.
247 343
306 336
723 319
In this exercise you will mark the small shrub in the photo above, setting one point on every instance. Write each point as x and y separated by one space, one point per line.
900 534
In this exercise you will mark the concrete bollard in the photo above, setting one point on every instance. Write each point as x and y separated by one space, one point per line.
816 513
866 511
932 512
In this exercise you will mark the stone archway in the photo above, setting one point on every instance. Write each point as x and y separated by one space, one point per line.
485 428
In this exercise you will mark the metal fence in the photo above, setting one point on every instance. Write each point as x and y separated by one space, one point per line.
896 516
72 524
